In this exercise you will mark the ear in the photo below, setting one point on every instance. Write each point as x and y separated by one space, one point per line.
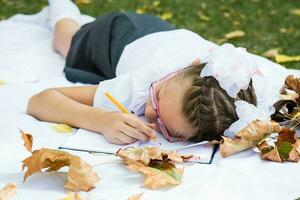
196 62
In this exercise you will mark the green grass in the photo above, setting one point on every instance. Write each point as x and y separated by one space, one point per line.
268 24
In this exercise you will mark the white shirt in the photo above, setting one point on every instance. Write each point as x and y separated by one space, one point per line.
148 59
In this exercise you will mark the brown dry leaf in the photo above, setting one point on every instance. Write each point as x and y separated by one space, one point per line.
155 163
8 191
248 137
283 149
156 178
271 53
80 175
292 83
27 138
272 155
136 196
234 34
146 154
72 196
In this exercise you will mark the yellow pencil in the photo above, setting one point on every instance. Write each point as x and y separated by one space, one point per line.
114 101
124 110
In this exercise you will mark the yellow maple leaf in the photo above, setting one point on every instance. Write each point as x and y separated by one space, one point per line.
295 12
166 15
155 3
72 196
63 128
280 58
140 10
2 82
83 1
234 34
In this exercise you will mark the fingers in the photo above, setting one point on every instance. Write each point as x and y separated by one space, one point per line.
138 124
134 133
120 138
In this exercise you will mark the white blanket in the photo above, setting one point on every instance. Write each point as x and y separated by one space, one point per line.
28 65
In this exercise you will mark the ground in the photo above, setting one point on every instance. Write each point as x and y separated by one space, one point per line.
266 24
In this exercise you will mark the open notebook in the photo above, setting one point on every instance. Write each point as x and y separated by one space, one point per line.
83 140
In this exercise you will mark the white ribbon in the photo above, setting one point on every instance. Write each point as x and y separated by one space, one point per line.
232 67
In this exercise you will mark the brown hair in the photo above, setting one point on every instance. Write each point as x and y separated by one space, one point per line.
208 107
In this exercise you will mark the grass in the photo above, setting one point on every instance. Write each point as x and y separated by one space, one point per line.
267 24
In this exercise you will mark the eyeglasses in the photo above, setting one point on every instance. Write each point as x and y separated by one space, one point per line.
155 106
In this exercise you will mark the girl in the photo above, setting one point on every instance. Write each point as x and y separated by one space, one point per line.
142 61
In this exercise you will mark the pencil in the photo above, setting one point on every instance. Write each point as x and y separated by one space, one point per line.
124 110
114 101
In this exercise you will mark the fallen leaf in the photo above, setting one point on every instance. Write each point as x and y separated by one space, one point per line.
202 16
166 15
136 196
156 3
292 83
72 196
295 12
285 58
271 53
146 154
80 175
285 148
155 163
234 34
2 82
83 2
27 138
63 128
8 191
156 178
140 10
248 137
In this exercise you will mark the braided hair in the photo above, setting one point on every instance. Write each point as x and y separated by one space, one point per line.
208 107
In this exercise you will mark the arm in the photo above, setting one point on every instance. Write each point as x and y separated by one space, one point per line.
73 106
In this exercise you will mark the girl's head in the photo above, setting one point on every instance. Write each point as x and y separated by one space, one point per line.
192 107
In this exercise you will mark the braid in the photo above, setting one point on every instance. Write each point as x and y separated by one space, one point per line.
208 107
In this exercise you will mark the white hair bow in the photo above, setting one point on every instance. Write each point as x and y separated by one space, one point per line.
234 68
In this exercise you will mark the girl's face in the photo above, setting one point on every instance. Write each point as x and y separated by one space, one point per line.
169 100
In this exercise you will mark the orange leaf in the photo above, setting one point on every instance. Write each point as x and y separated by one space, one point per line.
248 137
8 191
80 176
136 196
28 139
272 155
155 163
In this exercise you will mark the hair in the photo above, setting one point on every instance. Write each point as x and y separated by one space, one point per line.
208 107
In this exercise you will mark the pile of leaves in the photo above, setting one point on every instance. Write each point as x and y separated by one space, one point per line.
158 165
80 176
276 142
283 146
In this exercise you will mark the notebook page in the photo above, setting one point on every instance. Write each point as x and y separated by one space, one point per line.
84 140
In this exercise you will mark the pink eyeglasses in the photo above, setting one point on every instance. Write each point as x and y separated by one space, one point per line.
155 106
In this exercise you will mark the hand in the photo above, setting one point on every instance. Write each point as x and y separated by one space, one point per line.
124 128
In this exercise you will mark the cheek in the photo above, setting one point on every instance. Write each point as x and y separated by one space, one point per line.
150 113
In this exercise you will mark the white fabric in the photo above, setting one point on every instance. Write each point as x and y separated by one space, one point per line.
242 176
146 60
60 9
